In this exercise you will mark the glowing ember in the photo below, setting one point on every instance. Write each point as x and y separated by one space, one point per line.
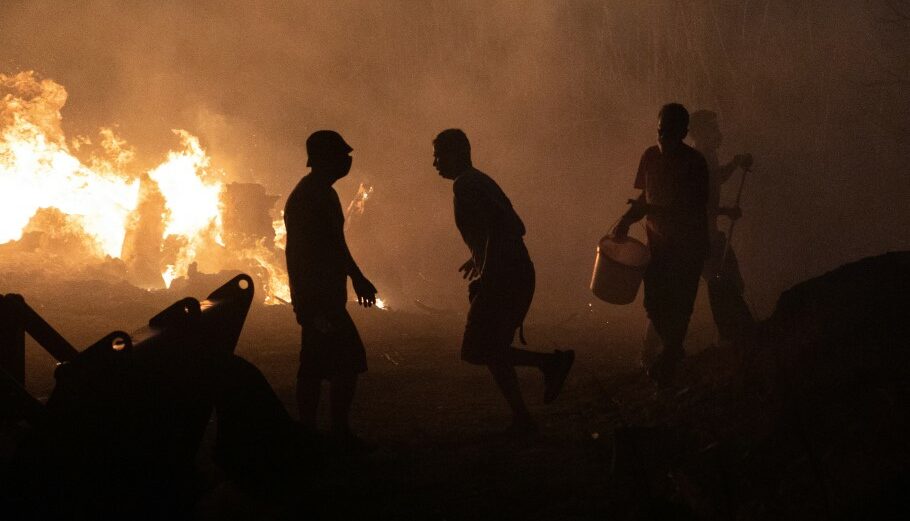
359 202
276 280
281 232
380 304
169 274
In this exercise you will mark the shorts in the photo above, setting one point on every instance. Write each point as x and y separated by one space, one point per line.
339 352
498 308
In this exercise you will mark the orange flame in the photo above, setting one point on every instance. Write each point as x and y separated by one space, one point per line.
38 170
193 204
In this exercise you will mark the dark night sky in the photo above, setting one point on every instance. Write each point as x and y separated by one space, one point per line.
559 98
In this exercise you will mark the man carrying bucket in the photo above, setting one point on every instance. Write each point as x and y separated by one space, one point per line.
725 283
673 178
502 280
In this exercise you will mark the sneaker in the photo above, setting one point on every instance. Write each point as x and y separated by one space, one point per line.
555 374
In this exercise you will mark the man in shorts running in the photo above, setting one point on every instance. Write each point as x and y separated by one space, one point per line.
502 280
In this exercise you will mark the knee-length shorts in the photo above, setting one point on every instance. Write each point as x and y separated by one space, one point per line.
498 308
338 352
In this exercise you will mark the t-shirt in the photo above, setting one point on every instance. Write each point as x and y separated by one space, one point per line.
677 183
317 265
488 224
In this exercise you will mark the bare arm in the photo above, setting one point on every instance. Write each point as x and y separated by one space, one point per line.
743 161
639 206
726 171
350 265
637 211
365 290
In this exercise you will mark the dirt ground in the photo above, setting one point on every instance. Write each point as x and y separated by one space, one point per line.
434 418
612 445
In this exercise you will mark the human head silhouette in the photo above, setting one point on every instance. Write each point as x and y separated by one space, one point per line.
451 153
672 126
704 130
328 154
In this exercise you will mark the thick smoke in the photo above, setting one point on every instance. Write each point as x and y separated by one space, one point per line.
559 99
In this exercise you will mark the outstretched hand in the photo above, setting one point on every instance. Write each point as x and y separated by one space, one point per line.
365 290
469 270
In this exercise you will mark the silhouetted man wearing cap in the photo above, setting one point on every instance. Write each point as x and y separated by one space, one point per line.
673 178
319 264
725 283
502 279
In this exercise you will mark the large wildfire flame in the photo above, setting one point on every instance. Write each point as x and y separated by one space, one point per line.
192 202
102 196
37 169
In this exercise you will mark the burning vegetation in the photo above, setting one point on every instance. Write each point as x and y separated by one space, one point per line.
70 204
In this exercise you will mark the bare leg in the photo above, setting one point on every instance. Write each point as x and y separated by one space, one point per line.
731 313
554 366
671 328
507 381
651 347
308 400
341 397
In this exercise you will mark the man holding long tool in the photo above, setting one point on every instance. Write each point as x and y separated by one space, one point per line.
725 283
673 178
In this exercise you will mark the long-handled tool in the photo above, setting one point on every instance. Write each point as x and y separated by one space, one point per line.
739 195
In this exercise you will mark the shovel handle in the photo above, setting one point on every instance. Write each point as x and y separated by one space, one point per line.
739 195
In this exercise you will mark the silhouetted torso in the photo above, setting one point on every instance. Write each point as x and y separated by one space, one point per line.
483 211
677 182
317 269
